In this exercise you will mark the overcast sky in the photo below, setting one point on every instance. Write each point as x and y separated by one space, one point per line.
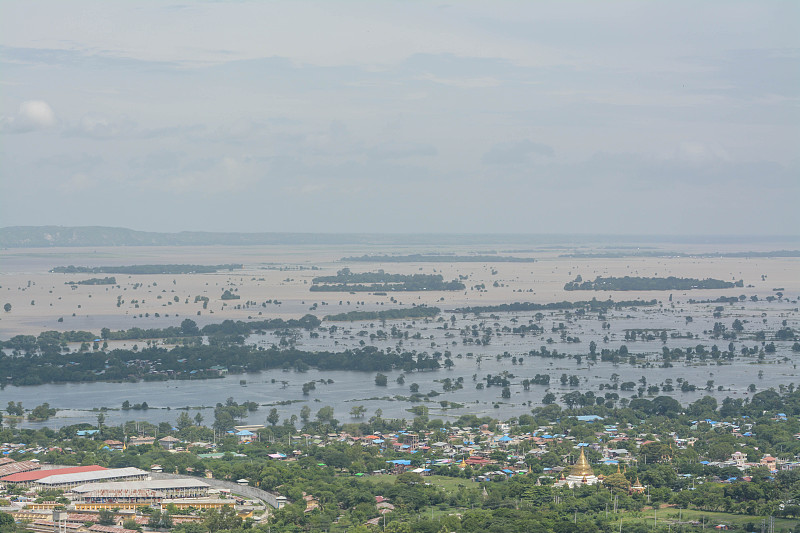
512 117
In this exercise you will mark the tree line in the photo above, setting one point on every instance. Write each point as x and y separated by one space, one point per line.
629 283
391 314
49 341
587 305
196 362
380 281
109 280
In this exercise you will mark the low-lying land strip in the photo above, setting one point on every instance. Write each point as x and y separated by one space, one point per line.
434 258
392 314
145 269
588 305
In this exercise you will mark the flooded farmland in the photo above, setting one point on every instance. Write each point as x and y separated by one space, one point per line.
471 347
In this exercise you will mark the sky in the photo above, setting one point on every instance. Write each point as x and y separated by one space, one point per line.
617 117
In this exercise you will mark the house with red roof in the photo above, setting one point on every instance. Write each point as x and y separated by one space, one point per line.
26 479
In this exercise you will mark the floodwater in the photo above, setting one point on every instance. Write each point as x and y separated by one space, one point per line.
472 362
42 301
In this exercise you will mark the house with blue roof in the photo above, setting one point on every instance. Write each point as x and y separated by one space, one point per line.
589 418
246 436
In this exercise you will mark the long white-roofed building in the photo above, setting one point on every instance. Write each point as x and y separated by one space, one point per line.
67 481
167 488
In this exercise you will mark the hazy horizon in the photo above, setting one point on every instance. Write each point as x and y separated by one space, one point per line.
613 118
100 236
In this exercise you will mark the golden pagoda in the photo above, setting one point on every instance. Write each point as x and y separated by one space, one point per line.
637 487
580 474
582 466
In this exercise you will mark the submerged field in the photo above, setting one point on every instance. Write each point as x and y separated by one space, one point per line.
495 348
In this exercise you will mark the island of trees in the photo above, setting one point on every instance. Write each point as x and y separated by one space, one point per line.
109 280
629 283
196 362
380 281
145 269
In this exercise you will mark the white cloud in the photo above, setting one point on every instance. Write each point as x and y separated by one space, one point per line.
33 115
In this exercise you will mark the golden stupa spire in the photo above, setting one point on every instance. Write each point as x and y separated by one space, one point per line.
582 467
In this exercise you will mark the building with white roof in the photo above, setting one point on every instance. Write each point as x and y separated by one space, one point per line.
66 481
167 488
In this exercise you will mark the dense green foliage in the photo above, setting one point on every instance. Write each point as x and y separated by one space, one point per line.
42 412
194 362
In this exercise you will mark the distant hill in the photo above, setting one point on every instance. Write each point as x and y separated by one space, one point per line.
52 236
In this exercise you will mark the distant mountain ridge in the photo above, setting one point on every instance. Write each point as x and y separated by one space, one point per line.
76 236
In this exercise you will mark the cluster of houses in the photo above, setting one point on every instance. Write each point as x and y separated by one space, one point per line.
7 448
739 460
465 446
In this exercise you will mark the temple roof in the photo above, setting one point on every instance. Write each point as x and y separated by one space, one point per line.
582 467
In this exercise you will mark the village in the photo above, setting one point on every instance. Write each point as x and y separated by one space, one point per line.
592 453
